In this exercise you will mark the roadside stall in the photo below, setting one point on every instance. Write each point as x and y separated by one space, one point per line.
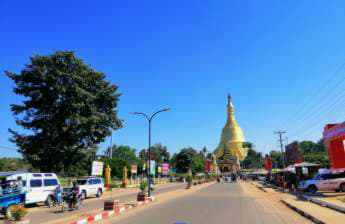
306 170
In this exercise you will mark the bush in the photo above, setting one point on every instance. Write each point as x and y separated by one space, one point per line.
143 186
18 212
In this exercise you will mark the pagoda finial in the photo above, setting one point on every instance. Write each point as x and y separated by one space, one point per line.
229 100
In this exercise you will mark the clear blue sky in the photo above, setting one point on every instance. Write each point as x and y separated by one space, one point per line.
280 60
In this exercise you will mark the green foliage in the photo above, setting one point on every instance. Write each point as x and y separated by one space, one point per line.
123 156
189 158
13 164
68 109
143 186
254 159
276 157
159 153
314 152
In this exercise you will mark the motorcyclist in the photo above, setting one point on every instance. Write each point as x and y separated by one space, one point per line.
75 193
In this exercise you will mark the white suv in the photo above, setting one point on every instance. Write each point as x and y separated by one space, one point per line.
324 182
90 186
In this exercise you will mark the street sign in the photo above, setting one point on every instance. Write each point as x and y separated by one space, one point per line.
165 168
152 167
134 169
97 168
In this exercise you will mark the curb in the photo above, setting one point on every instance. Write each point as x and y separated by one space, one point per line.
258 187
106 214
303 213
337 208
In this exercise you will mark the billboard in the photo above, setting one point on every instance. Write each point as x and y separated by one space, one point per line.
208 166
97 168
165 168
134 169
268 163
333 137
152 167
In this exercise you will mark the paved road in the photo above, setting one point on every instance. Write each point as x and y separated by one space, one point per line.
217 204
50 214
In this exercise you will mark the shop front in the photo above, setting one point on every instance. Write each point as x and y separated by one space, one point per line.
334 140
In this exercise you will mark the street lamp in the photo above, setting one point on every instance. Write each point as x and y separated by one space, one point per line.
149 119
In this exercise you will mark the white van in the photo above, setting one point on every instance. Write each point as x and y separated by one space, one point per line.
38 186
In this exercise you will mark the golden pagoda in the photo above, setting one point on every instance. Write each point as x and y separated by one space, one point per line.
230 149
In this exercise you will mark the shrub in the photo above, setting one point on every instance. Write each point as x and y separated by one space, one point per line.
143 186
18 212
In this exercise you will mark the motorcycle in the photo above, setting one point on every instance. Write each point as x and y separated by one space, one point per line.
70 203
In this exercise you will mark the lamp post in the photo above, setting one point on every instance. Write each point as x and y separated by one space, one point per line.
149 119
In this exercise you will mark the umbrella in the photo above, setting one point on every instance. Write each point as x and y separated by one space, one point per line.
306 164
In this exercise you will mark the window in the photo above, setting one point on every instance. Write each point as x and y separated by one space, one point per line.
50 182
36 175
35 183
97 181
90 181
48 175
81 182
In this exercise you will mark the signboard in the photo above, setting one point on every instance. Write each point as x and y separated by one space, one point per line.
207 166
268 163
165 168
159 170
152 167
173 171
134 169
333 137
97 168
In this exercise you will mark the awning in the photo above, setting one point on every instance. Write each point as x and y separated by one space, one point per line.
10 173
306 164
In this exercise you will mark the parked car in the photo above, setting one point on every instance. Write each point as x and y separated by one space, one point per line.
325 181
38 187
91 186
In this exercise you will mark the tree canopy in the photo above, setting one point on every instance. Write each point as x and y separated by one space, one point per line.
189 158
68 108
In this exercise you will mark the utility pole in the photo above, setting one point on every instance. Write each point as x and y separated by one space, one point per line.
111 145
281 144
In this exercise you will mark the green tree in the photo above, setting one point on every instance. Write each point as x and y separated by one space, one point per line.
314 152
254 159
68 109
123 156
189 158
13 164
158 152
276 157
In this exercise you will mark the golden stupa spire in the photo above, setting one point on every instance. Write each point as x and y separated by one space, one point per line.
231 142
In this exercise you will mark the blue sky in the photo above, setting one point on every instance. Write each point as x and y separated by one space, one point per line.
282 61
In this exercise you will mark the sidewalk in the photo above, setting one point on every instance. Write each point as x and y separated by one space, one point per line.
312 211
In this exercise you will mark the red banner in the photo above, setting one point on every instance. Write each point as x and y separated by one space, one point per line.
207 166
268 164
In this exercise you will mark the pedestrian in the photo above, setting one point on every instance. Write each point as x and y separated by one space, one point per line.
58 194
75 193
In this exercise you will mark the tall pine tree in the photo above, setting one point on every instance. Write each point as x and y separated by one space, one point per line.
68 108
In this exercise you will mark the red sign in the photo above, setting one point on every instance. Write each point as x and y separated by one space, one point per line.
207 166
268 164
334 140
165 168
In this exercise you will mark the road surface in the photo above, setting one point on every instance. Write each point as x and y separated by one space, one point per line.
222 203
45 214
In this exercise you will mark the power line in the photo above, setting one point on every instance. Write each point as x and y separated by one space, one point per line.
8 148
280 133
311 101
